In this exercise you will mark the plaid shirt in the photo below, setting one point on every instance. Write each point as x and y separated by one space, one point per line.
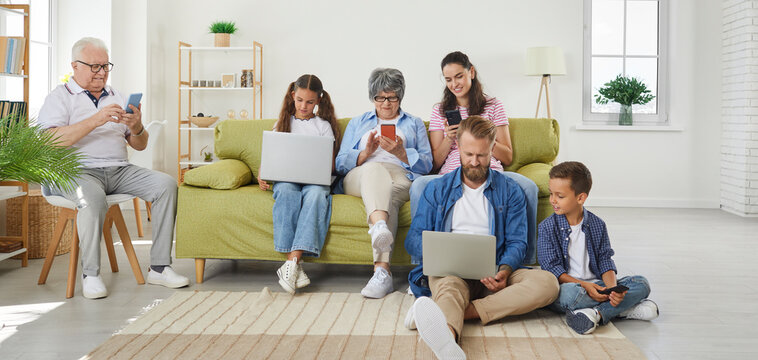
553 241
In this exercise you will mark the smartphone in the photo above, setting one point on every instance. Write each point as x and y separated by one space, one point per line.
388 130
134 99
453 117
617 289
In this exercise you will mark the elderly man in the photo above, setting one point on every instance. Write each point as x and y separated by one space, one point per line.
88 115
474 199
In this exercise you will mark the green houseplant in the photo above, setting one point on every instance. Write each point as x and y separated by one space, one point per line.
626 91
31 154
222 31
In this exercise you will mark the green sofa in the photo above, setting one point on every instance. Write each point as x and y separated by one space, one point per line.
226 216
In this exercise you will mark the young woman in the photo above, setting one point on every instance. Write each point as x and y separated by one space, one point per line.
463 92
302 212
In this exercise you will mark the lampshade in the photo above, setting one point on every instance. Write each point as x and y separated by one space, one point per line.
544 60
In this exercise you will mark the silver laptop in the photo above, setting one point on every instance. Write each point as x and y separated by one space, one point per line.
467 256
303 159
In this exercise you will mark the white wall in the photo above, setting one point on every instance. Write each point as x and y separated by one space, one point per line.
75 20
343 41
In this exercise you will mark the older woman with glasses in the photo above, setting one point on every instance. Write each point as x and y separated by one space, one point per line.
382 152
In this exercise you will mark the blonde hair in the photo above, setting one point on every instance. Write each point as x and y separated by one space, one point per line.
479 127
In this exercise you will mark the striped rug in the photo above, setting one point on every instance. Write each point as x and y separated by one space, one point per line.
266 325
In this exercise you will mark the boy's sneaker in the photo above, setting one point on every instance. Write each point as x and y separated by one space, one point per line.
168 278
644 310
93 287
287 274
583 321
410 319
379 285
302 279
381 236
433 328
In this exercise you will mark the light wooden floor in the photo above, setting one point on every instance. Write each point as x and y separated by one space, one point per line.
699 263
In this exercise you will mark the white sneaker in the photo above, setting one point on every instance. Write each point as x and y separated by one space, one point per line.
583 321
644 310
381 237
433 328
410 319
168 278
379 285
93 287
287 274
302 279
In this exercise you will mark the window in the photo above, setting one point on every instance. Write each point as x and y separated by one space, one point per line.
40 53
626 37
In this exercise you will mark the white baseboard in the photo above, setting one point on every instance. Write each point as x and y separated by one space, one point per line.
652 202
731 211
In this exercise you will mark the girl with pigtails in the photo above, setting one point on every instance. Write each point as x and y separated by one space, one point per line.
302 211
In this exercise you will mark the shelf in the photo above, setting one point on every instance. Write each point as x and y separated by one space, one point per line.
661 128
216 88
9 255
14 75
213 48
195 163
11 195
17 12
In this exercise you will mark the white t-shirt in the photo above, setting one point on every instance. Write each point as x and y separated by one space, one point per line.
315 126
69 104
579 259
381 155
470 212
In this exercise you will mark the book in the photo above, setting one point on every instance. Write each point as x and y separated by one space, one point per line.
3 51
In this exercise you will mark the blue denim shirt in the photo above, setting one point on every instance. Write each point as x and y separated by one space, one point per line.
553 241
507 215
416 144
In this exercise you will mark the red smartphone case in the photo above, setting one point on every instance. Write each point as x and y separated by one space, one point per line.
388 131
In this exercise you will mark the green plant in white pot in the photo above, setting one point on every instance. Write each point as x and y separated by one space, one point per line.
222 31
626 91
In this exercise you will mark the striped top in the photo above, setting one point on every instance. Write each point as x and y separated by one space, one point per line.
493 111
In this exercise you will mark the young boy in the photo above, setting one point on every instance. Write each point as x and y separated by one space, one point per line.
573 245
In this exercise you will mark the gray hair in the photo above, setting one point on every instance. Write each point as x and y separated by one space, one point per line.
83 43
387 80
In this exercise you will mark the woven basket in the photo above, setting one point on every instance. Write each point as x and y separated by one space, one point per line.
42 220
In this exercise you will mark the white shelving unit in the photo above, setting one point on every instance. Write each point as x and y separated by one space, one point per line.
186 129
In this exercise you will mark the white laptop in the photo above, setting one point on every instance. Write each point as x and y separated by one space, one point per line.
303 159
467 256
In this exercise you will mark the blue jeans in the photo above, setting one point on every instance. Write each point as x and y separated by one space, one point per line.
301 217
573 297
530 193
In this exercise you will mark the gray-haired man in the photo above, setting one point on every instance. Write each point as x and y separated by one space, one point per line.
87 114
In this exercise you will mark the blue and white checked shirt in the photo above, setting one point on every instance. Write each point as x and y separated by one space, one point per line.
553 241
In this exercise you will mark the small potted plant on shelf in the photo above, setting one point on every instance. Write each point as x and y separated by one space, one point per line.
626 91
207 155
223 31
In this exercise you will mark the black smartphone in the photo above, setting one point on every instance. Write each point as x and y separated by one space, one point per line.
617 289
453 117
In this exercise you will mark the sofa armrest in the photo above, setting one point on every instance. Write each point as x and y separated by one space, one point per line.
222 175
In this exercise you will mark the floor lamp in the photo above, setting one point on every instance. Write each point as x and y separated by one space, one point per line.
544 61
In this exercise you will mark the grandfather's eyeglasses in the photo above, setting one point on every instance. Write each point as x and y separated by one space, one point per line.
381 99
96 67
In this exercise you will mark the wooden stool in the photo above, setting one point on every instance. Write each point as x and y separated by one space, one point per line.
68 213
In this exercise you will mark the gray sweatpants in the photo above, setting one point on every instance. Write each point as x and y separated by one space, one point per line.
149 185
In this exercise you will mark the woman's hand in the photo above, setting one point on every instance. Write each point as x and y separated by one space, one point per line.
262 183
394 147
451 132
372 143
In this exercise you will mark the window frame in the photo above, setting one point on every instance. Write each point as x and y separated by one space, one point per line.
661 118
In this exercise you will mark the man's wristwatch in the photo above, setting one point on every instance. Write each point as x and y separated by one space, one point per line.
140 132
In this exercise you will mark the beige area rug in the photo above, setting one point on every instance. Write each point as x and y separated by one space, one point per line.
266 325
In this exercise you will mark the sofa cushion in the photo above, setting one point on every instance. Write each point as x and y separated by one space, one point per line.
223 175
534 141
539 173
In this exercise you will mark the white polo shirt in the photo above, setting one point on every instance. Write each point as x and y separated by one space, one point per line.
69 104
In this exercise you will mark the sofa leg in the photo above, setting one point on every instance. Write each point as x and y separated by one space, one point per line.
199 270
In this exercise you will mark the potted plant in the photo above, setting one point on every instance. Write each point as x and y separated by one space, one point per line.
626 91
222 31
33 155
207 155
